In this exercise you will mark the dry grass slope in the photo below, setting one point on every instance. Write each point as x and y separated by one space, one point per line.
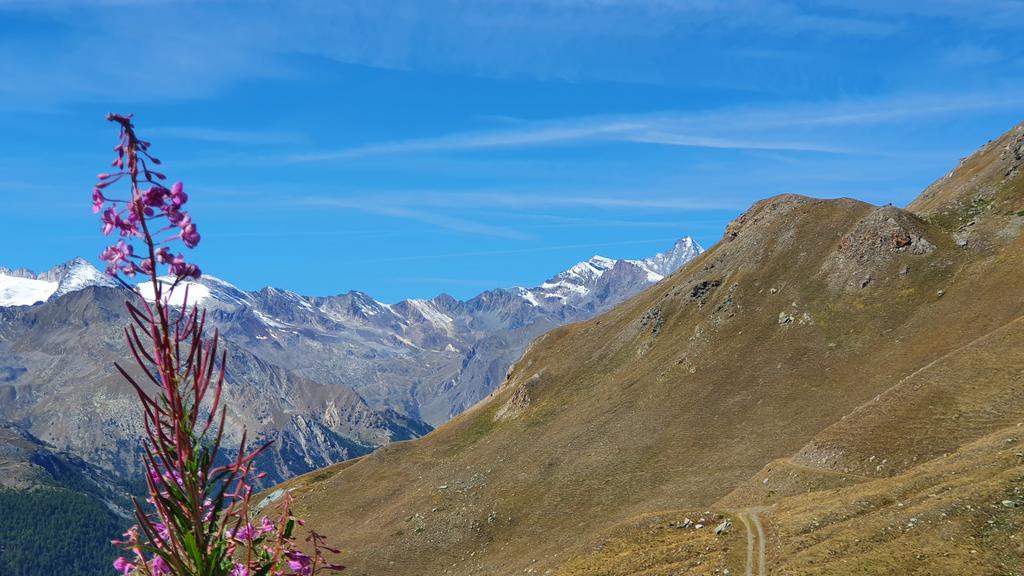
819 338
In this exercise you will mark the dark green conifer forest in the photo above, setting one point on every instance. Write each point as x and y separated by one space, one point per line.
52 531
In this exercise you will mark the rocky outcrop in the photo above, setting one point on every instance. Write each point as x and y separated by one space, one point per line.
879 238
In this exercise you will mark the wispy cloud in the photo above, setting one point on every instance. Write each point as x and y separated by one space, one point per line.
889 109
440 220
668 138
641 130
480 140
771 128
473 213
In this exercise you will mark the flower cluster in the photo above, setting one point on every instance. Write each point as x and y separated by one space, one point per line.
197 519
150 210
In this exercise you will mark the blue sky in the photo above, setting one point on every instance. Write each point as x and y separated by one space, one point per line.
411 148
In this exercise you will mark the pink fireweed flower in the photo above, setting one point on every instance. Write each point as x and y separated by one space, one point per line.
149 198
163 255
161 530
117 257
97 200
154 196
174 476
178 196
244 533
197 518
159 566
207 510
189 235
183 269
131 537
174 216
110 221
300 563
123 566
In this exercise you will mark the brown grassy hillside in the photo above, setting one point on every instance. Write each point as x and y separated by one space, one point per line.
824 354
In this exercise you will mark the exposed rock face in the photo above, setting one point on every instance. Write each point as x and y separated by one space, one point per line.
519 401
875 241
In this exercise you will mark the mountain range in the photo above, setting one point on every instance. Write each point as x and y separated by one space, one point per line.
833 388
325 378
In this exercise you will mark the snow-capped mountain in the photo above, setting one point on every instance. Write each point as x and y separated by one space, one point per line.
331 377
665 263
76 275
22 287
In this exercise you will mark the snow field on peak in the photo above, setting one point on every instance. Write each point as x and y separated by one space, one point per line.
16 291
196 292
432 315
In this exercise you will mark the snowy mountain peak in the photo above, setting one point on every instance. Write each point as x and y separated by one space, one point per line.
23 287
584 272
601 263
578 283
365 305
665 263
75 275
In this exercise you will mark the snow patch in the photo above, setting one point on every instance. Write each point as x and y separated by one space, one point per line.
431 314
653 277
565 286
195 292
528 296
406 341
268 320
16 291
224 291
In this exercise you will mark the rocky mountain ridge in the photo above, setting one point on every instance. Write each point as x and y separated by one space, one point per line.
326 378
